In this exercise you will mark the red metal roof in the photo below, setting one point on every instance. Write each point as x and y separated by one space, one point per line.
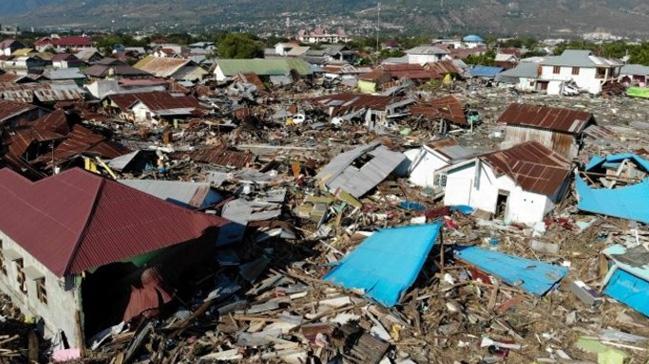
544 117
77 220
69 41
532 166
155 100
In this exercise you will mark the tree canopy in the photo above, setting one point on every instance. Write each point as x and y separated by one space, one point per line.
239 45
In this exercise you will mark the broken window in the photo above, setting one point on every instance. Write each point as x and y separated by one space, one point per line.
3 267
600 72
41 292
362 160
20 275
575 71
556 70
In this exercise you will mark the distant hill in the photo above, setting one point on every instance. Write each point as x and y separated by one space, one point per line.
433 16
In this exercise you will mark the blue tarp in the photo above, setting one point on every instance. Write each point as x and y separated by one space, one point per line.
628 202
630 290
387 263
533 276
628 282
485 71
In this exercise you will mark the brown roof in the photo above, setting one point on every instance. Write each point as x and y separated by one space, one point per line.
448 108
9 109
159 100
544 117
532 166
223 157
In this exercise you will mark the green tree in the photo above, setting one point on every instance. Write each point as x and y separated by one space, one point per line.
239 45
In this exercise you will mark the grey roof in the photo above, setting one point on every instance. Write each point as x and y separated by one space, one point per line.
579 58
523 69
427 50
63 74
634 69
340 172
187 194
122 161
457 153
242 211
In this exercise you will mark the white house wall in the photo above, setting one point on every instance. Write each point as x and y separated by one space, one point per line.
426 164
522 206
63 308
586 79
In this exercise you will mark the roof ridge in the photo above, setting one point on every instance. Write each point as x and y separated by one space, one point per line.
82 233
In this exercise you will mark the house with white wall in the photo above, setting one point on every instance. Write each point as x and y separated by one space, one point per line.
424 162
520 184
587 71
63 240
427 54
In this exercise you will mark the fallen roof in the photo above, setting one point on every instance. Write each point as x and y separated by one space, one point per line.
532 166
387 263
52 91
448 108
533 276
187 194
357 181
348 102
545 117
628 202
628 279
155 101
76 220
264 67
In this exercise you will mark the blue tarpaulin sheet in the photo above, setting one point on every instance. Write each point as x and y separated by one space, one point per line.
485 71
387 263
628 202
630 290
628 280
533 276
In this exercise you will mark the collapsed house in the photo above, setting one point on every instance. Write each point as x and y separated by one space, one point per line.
615 185
75 246
627 279
153 107
448 111
520 184
359 170
375 111
561 130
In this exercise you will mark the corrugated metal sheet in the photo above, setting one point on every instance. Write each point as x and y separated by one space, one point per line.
340 172
43 92
448 108
10 109
186 194
75 221
544 117
532 166
223 157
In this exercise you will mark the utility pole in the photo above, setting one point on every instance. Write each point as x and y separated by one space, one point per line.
378 25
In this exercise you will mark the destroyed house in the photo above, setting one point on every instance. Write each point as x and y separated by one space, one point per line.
175 68
448 110
110 67
153 106
29 142
558 129
75 244
520 184
374 110
43 93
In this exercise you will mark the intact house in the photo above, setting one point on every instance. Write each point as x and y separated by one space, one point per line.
179 69
153 107
587 71
561 130
8 46
426 54
61 44
425 162
66 60
272 69
113 68
81 253
520 184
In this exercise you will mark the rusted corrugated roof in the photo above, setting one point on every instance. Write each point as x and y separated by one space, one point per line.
44 92
10 109
448 108
544 117
159 100
223 157
76 220
532 166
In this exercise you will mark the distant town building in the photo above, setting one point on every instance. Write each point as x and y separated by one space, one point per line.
59 43
322 35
